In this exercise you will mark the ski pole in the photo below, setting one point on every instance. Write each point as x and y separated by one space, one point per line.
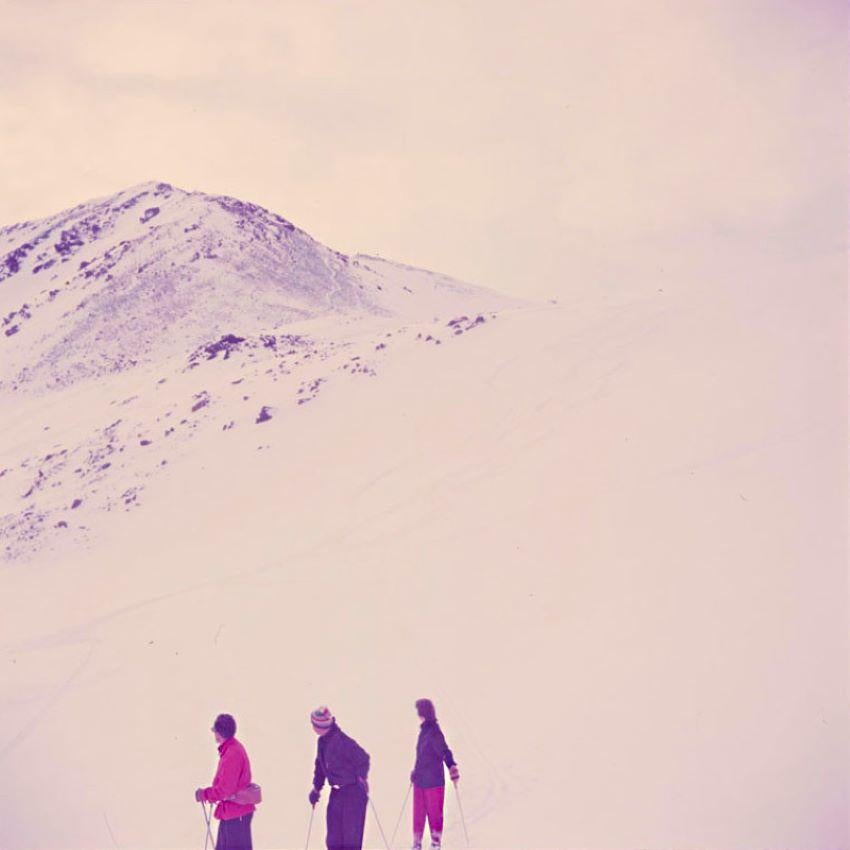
309 827
400 815
378 821
460 809
209 841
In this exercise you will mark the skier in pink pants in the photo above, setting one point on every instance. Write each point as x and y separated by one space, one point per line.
428 776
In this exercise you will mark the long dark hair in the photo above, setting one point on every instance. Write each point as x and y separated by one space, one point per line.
426 709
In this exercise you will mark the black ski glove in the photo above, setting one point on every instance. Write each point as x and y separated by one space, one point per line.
314 796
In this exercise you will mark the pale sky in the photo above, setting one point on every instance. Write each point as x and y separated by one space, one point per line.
521 145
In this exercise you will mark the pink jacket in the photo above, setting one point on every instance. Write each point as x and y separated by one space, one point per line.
233 774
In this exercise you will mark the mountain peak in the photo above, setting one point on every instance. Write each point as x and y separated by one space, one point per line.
154 269
150 186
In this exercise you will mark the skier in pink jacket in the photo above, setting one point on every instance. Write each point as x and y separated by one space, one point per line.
233 774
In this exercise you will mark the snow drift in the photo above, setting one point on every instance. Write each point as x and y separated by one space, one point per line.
241 472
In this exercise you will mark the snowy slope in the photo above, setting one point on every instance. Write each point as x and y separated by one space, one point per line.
106 303
600 539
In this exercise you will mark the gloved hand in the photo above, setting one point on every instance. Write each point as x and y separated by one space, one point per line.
314 796
454 773
412 773
364 784
199 795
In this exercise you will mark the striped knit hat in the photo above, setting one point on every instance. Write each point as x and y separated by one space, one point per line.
322 718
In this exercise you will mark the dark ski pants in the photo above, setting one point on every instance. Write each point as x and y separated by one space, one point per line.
235 834
346 818
428 802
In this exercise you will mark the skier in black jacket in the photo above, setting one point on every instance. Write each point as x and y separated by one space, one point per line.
345 765
428 776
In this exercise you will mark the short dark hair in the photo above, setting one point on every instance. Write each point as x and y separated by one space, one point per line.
426 709
225 725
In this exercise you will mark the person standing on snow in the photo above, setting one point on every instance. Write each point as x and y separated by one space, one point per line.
428 777
233 775
345 765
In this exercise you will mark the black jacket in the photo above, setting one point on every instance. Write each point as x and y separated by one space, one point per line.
431 751
339 759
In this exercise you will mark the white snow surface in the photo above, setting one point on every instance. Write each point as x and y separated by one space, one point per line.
601 535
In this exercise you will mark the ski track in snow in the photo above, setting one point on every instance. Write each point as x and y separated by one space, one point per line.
50 703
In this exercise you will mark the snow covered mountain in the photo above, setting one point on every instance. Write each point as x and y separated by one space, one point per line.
155 278
240 472
143 274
